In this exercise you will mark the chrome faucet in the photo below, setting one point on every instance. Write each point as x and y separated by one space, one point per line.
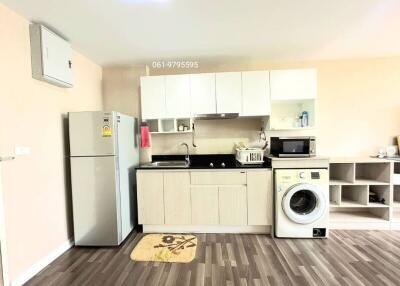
187 158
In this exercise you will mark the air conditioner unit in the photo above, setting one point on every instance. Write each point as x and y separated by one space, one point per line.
51 56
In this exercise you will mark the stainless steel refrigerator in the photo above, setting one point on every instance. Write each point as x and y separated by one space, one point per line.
104 151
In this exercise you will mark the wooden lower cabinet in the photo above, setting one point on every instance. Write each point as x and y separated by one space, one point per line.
259 197
177 198
150 197
204 205
171 198
232 205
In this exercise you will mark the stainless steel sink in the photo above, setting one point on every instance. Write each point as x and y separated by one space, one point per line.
167 164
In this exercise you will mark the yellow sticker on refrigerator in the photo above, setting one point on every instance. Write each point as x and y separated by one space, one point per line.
106 131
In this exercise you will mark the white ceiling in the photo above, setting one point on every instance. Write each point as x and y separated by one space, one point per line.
140 31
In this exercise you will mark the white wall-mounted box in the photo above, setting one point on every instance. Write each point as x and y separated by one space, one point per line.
51 56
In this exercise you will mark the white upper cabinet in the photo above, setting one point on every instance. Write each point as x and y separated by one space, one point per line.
255 93
153 97
296 84
177 96
202 88
229 92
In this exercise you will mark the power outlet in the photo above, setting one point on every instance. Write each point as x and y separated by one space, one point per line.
22 151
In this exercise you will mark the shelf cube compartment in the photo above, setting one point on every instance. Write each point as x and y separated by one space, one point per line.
373 173
186 122
335 195
353 196
396 197
168 125
382 192
153 125
396 175
342 173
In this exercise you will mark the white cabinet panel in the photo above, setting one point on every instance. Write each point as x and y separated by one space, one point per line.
293 84
177 96
150 197
218 177
177 198
204 205
202 88
255 93
229 92
259 197
153 97
232 205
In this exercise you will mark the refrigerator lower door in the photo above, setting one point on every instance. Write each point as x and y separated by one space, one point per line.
95 198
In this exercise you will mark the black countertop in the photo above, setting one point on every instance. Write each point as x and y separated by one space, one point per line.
204 162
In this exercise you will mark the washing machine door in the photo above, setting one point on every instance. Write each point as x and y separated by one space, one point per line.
304 203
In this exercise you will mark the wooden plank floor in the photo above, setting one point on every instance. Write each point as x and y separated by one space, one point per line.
346 258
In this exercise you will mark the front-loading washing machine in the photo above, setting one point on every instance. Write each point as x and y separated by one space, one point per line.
301 203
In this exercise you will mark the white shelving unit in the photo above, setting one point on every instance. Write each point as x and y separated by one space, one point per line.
169 126
351 183
285 114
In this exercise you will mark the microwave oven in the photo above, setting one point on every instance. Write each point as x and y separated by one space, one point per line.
287 147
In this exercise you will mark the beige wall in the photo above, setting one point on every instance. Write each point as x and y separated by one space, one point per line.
358 109
32 113
121 89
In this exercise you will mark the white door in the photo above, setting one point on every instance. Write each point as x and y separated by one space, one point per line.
202 89
229 92
293 84
56 56
150 196
152 95
177 198
232 205
204 205
255 93
177 96
259 197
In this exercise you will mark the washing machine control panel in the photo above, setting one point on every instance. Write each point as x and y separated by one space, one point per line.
315 175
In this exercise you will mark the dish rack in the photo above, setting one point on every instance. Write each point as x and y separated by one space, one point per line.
246 156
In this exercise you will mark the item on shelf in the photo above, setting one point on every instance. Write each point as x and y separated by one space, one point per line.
181 127
297 122
304 119
391 151
374 198
247 155
185 128
381 153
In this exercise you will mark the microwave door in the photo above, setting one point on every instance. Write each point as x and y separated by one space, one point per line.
294 148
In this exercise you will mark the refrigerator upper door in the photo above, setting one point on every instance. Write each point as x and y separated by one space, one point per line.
92 133
95 200
128 159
